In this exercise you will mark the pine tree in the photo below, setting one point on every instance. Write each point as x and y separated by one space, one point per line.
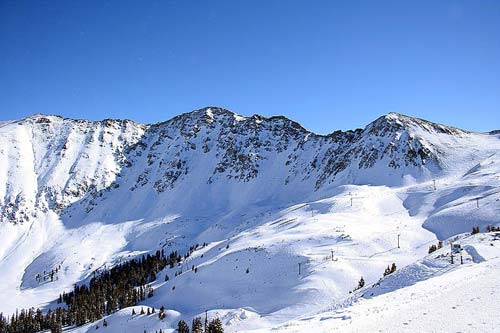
162 314
197 326
390 269
182 327
55 327
361 283
215 326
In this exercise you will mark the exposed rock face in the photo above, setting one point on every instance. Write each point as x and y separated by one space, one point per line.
50 163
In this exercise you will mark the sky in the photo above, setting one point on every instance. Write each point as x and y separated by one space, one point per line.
327 64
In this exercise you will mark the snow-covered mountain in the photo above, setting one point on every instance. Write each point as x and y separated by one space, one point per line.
51 163
265 194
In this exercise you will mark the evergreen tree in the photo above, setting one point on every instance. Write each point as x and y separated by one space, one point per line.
215 326
162 314
182 327
197 325
55 327
361 283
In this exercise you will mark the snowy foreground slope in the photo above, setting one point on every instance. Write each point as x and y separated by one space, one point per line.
267 196
449 299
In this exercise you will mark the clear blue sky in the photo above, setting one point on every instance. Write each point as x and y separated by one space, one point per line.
327 64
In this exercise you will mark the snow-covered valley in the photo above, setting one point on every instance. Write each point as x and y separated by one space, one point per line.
291 220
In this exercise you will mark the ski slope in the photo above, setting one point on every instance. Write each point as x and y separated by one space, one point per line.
446 298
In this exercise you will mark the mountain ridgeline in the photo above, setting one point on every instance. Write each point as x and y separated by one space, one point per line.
210 158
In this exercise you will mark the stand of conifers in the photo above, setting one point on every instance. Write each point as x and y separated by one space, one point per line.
108 291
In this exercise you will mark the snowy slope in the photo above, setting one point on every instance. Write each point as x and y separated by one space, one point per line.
264 193
430 296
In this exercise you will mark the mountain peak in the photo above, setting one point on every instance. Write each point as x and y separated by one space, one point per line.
394 115
207 114
213 111
394 121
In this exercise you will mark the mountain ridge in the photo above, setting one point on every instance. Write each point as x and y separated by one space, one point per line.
95 155
390 117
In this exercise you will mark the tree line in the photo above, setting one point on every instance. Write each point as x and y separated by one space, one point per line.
214 326
108 291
